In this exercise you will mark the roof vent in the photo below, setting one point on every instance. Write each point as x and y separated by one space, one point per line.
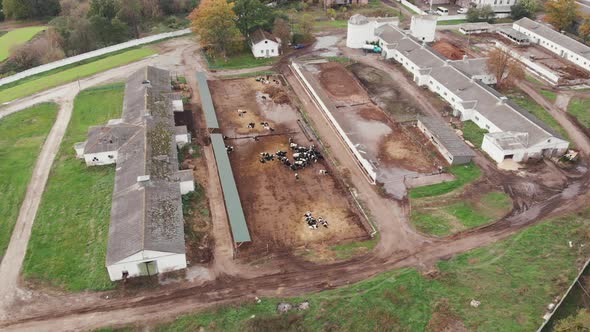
143 178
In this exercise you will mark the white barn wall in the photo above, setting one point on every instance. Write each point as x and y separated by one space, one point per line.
259 50
166 262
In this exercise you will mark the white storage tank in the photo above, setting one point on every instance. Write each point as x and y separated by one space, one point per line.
359 31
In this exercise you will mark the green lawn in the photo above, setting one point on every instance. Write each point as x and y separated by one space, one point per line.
49 81
463 174
17 37
239 61
444 216
451 22
526 102
580 108
319 25
514 279
68 244
22 135
473 133
550 95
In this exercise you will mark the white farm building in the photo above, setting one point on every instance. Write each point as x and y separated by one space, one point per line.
146 233
361 29
264 44
558 43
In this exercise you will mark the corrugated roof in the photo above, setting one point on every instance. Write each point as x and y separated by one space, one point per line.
235 213
447 137
206 101
260 35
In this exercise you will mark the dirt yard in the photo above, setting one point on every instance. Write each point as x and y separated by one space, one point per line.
382 141
449 50
274 201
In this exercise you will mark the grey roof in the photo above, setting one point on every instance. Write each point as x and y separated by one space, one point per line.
554 36
206 101
476 26
472 67
260 35
147 214
447 137
512 33
239 228
389 34
108 138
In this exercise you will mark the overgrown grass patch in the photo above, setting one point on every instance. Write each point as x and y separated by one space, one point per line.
348 250
526 102
473 133
17 37
463 175
550 95
45 82
451 22
68 243
514 279
580 108
22 136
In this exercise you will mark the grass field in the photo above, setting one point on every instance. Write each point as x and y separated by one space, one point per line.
580 108
526 102
444 216
514 279
550 95
473 133
22 135
463 174
16 37
49 81
451 22
68 244
239 61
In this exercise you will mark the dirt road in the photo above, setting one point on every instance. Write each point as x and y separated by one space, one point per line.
578 137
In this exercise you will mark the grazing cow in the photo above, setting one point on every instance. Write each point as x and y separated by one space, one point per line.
263 97
251 125
293 146
296 176
229 148
323 172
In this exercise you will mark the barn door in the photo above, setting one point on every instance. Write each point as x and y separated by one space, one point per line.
148 268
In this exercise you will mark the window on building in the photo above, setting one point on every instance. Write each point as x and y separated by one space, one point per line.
487 127
495 2
261 51
266 41
476 118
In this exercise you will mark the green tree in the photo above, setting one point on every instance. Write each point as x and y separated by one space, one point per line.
214 21
486 13
519 11
306 26
252 15
16 9
282 30
1 11
472 14
561 13
130 13
530 5
584 28
580 322
103 8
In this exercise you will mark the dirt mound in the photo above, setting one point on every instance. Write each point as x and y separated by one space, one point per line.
277 94
449 50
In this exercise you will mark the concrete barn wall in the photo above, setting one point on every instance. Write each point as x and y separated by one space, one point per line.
165 262
259 49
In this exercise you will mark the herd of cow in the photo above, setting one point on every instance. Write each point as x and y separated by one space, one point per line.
312 222
302 156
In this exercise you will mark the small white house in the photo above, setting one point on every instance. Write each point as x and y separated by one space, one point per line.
264 44
423 27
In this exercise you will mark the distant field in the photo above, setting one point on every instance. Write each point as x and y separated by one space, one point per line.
45 82
17 37
67 248
513 279
22 135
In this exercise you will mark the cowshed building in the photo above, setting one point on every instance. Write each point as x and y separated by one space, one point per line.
146 232
264 44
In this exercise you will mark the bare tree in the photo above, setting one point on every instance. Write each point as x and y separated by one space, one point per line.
504 67
282 30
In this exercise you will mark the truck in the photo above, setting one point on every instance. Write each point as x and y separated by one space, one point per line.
372 48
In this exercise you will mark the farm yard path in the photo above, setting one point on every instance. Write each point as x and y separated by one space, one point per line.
93 310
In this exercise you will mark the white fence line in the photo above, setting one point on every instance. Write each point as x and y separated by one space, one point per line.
451 17
365 164
546 74
90 55
413 7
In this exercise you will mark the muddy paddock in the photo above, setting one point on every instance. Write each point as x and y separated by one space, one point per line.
274 201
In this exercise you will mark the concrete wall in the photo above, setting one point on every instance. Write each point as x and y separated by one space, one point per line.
92 54
552 148
265 49
101 158
135 265
451 159
187 187
422 28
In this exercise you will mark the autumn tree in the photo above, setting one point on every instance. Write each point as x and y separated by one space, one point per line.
130 13
504 67
306 26
282 30
214 21
584 29
252 15
561 13
25 9
529 5
574 323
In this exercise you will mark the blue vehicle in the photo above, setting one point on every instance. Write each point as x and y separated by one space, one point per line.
298 46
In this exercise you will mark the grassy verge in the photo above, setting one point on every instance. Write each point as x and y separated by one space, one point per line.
473 133
526 102
514 279
580 108
451 22
463 174
444 216
533 80
239 61
338 24
72 74
252 74
21 137
68 244
17 37
550 95
348 250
